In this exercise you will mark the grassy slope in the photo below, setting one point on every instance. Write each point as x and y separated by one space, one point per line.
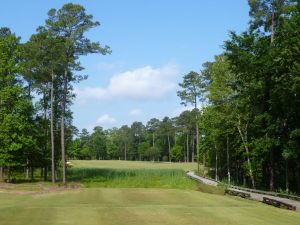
138 206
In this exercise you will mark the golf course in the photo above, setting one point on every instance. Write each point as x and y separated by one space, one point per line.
150 112
178 200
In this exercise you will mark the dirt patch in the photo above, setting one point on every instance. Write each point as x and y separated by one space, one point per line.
37 188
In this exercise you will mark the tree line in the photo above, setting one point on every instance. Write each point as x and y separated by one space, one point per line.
169 140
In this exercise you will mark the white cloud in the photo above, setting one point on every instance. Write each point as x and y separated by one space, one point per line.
145 83
105 120
135 112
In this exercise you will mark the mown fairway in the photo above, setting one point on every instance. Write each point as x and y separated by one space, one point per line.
138 206
181 205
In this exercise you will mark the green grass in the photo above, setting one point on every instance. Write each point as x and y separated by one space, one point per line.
135 174
120 164
136 193
134 206
135 178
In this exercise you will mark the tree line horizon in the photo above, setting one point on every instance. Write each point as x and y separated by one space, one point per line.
247 131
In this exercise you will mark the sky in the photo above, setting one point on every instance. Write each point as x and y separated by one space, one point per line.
154 44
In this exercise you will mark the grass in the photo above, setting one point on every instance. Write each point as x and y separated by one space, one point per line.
120 164
136 193
136 206
137 178
137 174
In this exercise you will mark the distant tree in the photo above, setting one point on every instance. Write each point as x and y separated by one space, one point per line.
152 127
176 153
166 130
193 90
97 143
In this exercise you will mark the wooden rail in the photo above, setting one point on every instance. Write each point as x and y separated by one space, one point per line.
279 204
275 194
237 193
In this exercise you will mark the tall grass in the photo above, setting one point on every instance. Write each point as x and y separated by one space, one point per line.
138 178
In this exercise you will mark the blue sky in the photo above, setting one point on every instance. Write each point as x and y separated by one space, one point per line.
154 43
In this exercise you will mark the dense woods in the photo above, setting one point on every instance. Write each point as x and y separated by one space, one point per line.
244 127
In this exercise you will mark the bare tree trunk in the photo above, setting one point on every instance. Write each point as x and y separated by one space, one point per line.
216 178
8 175
169 145
245 142
27 168
63 108
273 26
193 148
197 134
271 170
125 152
45 173
187 147
228 166
287 177
52 132
1 173
45 134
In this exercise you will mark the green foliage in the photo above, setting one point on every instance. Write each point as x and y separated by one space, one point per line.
176 153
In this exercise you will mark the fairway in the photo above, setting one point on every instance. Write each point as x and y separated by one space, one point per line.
115 206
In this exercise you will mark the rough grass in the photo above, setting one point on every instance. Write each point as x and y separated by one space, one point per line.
134 174
134 206
135 178
121 164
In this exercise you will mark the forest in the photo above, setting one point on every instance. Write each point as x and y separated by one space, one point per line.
243 127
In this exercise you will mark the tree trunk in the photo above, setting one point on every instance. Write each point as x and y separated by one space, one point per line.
216 178
45 173
63 108
52 132
273 26
245 143
228 166
169 145
287 177
271 170
8 175
46 135
125 152
187 147
27 168
197 146
1 173
193 148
